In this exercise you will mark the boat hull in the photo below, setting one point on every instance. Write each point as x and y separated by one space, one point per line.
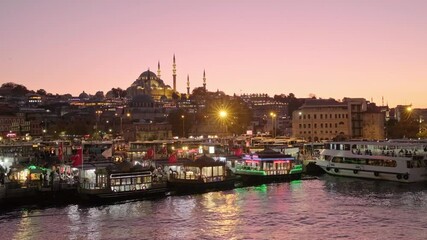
251 179
106 195
183 186
351 170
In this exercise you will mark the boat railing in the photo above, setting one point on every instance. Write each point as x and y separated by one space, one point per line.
389 153
276 172
213 179
188 175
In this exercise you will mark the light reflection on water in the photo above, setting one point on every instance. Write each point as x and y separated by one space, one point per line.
327 208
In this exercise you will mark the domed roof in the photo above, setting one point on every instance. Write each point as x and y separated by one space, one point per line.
83 95
142 98
148 75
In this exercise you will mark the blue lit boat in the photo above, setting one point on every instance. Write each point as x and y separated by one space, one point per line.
268 166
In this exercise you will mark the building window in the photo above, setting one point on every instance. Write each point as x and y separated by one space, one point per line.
315 125
300 125
321 125
315 116
321 116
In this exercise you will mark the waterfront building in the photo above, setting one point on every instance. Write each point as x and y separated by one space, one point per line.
326 119
269 115
147 131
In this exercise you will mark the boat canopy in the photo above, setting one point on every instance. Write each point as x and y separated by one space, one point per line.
204 161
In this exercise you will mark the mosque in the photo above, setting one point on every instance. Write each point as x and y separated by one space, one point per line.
148 83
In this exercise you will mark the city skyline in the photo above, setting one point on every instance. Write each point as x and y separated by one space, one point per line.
371 49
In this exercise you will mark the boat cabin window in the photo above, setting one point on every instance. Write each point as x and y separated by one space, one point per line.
120 183
415 163
337 159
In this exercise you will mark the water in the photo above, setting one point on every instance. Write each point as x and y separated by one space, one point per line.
327 208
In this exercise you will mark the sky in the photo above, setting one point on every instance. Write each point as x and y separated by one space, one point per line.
374 49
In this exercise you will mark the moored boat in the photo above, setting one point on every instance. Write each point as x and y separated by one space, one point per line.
388 160
268 166
202 175
122 181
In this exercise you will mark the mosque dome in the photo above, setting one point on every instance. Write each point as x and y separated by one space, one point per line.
83 95
148 75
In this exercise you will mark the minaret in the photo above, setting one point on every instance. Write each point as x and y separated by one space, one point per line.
158 70
188 86
204 80
174 74
149 82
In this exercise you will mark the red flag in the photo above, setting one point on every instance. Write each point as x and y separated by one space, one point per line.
78 158
172 158
60 153
238 152
150 153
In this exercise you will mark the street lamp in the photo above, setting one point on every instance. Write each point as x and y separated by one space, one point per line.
98 115
182 117
223 115
273 122
121 121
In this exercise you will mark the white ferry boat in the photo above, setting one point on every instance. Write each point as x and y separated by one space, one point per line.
391 160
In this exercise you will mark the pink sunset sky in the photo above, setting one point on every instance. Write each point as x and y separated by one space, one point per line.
333 48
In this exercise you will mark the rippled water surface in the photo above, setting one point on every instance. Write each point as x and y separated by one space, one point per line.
327 208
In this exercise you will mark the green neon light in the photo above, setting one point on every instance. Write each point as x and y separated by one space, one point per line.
250 171
32 167
296 169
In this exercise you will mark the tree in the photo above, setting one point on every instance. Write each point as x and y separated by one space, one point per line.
116 93
199 93
41 92
99 95
407 127
175 96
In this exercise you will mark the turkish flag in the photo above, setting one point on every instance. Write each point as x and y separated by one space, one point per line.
150 154
78 158
238 152
173 158
60 151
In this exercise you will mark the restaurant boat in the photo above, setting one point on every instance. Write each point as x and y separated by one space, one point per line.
268 166
121 181
401 161
202 175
